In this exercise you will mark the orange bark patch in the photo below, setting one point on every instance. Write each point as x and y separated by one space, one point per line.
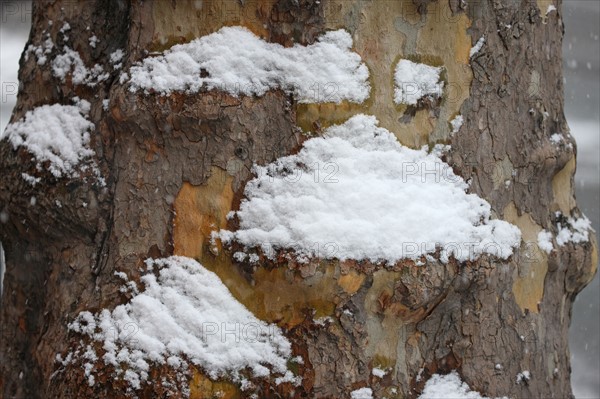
200 210
351 281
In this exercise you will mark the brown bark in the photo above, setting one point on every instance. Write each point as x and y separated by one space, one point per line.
175 165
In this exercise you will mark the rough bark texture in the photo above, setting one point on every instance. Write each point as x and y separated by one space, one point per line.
176 165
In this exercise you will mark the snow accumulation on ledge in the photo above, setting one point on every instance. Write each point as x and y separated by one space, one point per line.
449 386
236 61
58 134
184 313
414 81
575 230
357 193
362 393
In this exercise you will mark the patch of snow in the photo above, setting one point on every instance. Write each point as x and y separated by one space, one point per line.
116 58
41 52
456 124
380 202
523 376
362 393
58 134
289 377
123 77
238 62
93 41
379 373
69 61
477 47
66 27
322 321
297 360
30 179
544 241
420 375
556 138
121 275
575 231
240 256
439 149
448 386
185 314
129 286
414 81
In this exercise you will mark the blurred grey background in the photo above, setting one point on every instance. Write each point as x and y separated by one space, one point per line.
581 60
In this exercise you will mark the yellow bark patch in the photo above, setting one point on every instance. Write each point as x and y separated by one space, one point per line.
180 22
563 189
351 281
276 295
543 6
202 387
199 210
445 35
385 32
383 331
528 285
282 295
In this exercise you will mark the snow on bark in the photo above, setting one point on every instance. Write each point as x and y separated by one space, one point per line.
185 314
236 61
357 193
362 393
415 81
70 62
544 241
57 134
449 386
575 230
477 47
456 124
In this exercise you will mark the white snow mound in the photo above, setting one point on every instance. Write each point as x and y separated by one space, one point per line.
415 81
238 62
186 314
449 386
357 193
55 133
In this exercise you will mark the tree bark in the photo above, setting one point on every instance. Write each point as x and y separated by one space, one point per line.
176 165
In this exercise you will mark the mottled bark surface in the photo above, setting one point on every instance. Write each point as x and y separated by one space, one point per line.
175 166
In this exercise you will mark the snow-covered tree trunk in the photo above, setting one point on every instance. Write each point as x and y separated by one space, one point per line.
167 168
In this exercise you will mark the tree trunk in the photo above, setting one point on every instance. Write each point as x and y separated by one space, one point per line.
176 165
